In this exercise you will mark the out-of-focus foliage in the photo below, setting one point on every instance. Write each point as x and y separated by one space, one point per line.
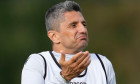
113 25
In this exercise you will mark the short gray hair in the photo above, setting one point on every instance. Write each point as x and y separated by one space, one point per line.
55 14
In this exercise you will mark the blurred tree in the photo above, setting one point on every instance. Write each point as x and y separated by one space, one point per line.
113 25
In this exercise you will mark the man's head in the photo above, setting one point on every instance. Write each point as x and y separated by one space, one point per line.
67 27
54 16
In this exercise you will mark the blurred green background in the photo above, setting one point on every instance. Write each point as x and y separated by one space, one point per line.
113 25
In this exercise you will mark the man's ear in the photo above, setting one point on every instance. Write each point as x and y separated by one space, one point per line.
54 36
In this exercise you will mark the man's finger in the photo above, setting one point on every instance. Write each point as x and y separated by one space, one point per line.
78 55
82 57
86 65
84 62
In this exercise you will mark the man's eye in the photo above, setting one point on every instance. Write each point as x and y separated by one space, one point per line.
84 24
73 25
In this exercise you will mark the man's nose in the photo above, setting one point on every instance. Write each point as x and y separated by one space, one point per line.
82 29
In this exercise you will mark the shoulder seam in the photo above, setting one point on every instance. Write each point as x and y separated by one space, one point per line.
45 67
102 65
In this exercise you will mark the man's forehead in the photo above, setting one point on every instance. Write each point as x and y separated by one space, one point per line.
73 16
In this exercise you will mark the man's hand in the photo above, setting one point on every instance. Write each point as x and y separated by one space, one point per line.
75 66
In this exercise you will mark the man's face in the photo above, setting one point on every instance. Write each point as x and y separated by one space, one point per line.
73 32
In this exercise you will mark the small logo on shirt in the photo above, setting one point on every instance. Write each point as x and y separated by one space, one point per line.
77 83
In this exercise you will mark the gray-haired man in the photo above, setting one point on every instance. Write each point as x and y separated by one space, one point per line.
67 63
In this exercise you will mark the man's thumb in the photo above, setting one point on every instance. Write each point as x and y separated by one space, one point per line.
62 59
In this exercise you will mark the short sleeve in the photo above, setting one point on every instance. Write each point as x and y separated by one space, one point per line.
33 70
109 70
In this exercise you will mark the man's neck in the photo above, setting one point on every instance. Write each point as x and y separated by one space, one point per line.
67 51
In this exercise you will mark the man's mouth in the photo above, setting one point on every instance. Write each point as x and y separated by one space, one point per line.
83 37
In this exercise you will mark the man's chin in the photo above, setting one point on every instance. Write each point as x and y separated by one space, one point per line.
84 42
83 45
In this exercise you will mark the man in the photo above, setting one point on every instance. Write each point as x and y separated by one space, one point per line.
67 63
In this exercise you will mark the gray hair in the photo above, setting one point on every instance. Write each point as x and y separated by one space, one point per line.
54 15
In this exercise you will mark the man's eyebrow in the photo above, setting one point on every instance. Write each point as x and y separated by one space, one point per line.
83 21
74 22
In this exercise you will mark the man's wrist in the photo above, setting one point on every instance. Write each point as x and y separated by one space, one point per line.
64 77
